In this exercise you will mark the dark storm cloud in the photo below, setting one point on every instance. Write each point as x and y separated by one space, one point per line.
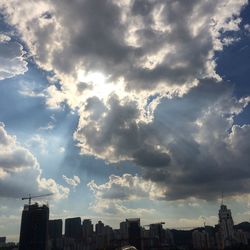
114 133
188 53
95 35
141 7
191 147
201 141
149 157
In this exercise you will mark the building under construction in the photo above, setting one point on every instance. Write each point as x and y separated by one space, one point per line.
34 226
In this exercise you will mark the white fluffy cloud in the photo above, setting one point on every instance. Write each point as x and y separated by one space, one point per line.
20 173
112 196
38 142
12 58
74 182
126 187
109 207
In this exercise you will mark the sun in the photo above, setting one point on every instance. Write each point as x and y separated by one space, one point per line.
100 84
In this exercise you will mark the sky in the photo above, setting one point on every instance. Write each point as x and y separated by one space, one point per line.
130 108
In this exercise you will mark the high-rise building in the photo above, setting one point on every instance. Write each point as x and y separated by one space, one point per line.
156 234
200 240
169 237
2 241
124 230
134 232
241 237
34 227
73 228
219 237
87 228
226 225
55 234
108 235
55 229
99 228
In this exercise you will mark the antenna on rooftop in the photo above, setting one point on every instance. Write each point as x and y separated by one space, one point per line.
222 197
204 221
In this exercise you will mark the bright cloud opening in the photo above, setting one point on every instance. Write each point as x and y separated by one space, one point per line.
99 85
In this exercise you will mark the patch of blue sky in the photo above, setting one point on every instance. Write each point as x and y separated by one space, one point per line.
233 64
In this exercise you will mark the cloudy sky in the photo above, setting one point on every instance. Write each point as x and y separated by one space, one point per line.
130 108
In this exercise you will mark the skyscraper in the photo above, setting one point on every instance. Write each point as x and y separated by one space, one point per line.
200 239
87 228
226 225
2 241
156 234
55 229
73 228
134 232
55 234
34 227
99 230
124 230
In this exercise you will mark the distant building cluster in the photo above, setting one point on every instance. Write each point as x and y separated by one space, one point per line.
223 236
7 245
86 236
39 233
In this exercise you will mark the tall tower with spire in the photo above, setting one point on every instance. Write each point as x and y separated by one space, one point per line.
226 225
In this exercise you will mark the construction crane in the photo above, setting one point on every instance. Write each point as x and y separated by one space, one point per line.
36 196
157 223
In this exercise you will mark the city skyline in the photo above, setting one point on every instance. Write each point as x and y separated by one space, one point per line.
125 109
203 220
39 232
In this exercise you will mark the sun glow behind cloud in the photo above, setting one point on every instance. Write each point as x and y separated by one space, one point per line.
99 85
